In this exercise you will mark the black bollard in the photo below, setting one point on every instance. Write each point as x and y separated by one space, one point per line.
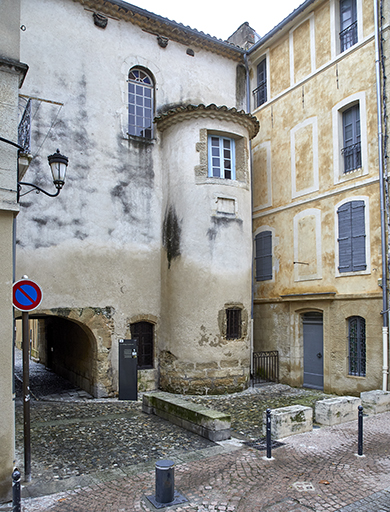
269 456
16 490
360 430
165 481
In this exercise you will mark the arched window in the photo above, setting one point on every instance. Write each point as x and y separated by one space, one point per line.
357 346
141 89
143 332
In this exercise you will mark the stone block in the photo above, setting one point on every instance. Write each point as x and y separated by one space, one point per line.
375 402
287 421
333 411
212 425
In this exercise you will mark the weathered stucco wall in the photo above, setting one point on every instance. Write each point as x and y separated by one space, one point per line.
299 184
99 244
211 268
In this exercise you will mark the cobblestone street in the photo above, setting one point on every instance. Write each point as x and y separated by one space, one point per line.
99 455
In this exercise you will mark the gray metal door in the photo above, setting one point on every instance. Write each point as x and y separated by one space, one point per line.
313 362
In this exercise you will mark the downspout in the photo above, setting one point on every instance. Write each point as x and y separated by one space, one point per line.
248 108
385 312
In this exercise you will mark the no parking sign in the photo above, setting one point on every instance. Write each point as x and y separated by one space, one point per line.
26 295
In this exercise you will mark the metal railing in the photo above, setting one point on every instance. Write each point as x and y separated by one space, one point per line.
24 129
265 367
352 157
348 37
260 94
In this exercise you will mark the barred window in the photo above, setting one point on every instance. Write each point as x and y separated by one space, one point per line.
143 332
233 323
357 346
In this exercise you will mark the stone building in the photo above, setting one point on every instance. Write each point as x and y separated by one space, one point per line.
164 214
151 236
317 212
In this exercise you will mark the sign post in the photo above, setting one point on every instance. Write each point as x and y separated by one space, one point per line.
26 296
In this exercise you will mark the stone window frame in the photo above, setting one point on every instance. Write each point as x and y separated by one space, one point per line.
357 362
241 159
149 86
222 320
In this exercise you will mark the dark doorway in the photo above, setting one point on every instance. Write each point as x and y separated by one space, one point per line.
313 365
143 332
70 352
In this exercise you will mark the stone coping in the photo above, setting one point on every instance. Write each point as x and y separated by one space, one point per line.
211 424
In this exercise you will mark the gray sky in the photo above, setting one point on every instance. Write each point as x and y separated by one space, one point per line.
216 18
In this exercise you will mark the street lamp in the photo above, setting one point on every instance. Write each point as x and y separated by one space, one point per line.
58 164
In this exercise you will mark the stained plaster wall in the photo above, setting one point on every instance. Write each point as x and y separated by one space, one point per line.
210 269
295 160
99 243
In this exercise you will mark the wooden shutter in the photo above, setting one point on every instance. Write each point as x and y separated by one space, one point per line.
263 243
358 236
352 237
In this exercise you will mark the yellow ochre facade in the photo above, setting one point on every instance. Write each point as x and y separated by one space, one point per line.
318 287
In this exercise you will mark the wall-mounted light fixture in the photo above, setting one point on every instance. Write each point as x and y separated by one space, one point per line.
58 164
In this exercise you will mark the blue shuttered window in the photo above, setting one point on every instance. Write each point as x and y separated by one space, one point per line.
352 237
348 24
221 154
263 257
351 139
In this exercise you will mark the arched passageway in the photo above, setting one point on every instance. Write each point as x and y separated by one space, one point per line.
64 346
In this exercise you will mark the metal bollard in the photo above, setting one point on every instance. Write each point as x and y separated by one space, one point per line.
165 481
16 490
360 430
269 456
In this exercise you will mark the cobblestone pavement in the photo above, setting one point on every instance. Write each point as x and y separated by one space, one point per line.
99 455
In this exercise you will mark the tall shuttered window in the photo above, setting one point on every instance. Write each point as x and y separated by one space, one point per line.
357 346
351 151
352 237
348 24
263 256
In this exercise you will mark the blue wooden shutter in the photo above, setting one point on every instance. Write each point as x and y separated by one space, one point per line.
263 256
352 237
345 238
358 236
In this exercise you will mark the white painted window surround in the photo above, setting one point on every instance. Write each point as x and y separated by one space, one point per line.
335 25
316 272
312 47
365 199
314 187
338 137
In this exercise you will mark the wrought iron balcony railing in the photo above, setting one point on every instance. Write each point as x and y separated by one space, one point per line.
348 37
352 157
260 94
24 129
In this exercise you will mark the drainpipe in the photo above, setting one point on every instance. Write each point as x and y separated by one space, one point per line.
248 108
385 312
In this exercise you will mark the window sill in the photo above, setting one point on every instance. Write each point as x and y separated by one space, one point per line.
140 139
202 180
